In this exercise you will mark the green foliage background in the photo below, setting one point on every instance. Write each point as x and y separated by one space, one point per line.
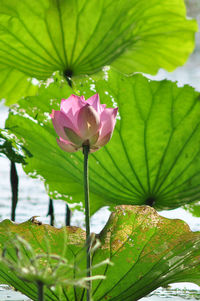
153 157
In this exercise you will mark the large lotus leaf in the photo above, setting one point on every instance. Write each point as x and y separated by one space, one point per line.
156 144
79 37
152 158
147 251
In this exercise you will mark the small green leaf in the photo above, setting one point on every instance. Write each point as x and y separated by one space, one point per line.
80 37
193 208
10 148
147 251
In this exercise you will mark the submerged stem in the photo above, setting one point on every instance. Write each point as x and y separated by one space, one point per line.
86 150
51 212
67 216
40 291
14 186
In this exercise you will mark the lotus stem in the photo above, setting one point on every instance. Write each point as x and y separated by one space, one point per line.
40 291
14 186
67 216
86 150
51 212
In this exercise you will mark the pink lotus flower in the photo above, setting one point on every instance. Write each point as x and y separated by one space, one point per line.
83 122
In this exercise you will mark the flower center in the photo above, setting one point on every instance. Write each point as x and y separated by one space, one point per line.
88 125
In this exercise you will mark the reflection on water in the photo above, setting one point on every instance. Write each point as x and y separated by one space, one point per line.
160 294
173 294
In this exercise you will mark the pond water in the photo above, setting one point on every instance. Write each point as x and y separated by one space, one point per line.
33 200
159 295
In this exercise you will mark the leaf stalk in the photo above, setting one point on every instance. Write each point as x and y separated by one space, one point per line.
86 150
40 291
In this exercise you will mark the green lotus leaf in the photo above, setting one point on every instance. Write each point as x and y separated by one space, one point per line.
80 37
152 158
155 147
32 252
193 208
7 149
147 251
14 84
